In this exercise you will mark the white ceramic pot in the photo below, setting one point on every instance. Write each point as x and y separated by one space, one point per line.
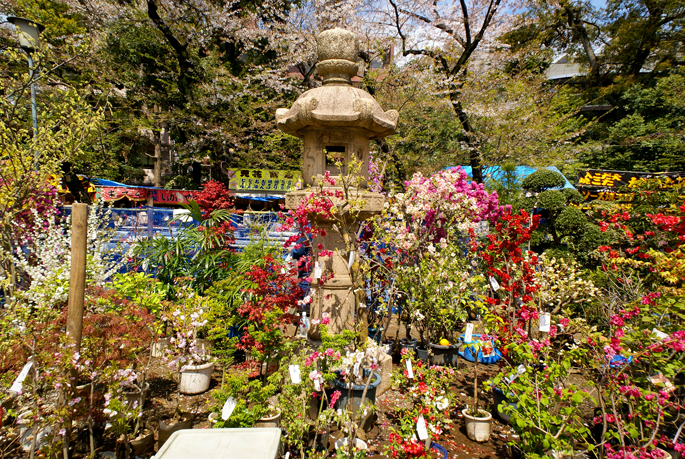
478 428
195 379
159 346
270 421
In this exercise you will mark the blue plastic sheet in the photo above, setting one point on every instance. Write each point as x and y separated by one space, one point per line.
467 352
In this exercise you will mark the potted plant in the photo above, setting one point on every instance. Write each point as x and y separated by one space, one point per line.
478 422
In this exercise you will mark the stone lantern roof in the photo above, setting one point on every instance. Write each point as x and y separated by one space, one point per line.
337 104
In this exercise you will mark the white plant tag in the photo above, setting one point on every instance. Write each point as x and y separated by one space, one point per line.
493 283
228 408
295 374
421 428
521 369
317 385
410 370
351 261
355 370
468 335
287 455
18 384
317 270
545 322
659 334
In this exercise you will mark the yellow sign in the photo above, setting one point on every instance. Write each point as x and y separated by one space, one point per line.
263 180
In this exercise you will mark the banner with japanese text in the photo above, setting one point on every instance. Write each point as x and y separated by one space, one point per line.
263 180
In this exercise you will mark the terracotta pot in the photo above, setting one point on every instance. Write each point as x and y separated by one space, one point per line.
143 443
133 396
270 421
168 427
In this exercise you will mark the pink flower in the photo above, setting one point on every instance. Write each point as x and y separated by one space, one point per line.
334 397
325 318
564 322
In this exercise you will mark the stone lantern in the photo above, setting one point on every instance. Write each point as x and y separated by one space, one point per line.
341 119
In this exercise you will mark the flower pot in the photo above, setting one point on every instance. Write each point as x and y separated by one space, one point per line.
444 355
143 443
422 354
408 344
357 391
478 428
270 420
442 452
500 399
133 396
159 347
375 334
168 427
389 346
195 379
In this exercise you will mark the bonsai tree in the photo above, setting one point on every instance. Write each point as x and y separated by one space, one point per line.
559 217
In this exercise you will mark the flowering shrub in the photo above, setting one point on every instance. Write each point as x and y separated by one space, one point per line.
427 228
46 255
503 259
430 397
268 309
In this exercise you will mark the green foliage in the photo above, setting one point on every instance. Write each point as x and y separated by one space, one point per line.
543 179
548 414
570 221
141 288
552 200
254 398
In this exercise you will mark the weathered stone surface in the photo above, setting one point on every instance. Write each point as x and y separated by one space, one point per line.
386 374
340 118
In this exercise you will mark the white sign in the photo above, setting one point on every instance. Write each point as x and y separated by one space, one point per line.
545 322
421 428
351 262
468 335
295 374
18 384
410 370
317 270
659 334
228 408
493 283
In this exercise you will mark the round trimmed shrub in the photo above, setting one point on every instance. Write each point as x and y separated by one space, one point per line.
543 179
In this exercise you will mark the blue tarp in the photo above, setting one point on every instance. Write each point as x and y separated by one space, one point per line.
496 173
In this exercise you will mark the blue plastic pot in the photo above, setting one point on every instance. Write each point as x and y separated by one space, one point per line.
375 334
439 449
467 353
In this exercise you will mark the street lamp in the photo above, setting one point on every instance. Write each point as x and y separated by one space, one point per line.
29 40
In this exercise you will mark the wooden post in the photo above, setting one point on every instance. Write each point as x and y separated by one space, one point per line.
77 279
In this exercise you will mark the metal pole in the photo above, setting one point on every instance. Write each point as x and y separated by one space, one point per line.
34 114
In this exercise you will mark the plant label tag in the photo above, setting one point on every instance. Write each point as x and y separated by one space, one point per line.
468 335
521 369
317 270
659 334
295 374
421 428
659 378
545 322
228 408
355 370
410 370
18 384
493 283
351 261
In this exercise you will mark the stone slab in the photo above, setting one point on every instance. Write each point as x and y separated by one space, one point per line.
255 443
386 374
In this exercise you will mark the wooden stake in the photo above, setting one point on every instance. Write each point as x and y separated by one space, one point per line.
77 279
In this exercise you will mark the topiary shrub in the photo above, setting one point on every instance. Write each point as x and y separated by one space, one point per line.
543 179
570 221
552 200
